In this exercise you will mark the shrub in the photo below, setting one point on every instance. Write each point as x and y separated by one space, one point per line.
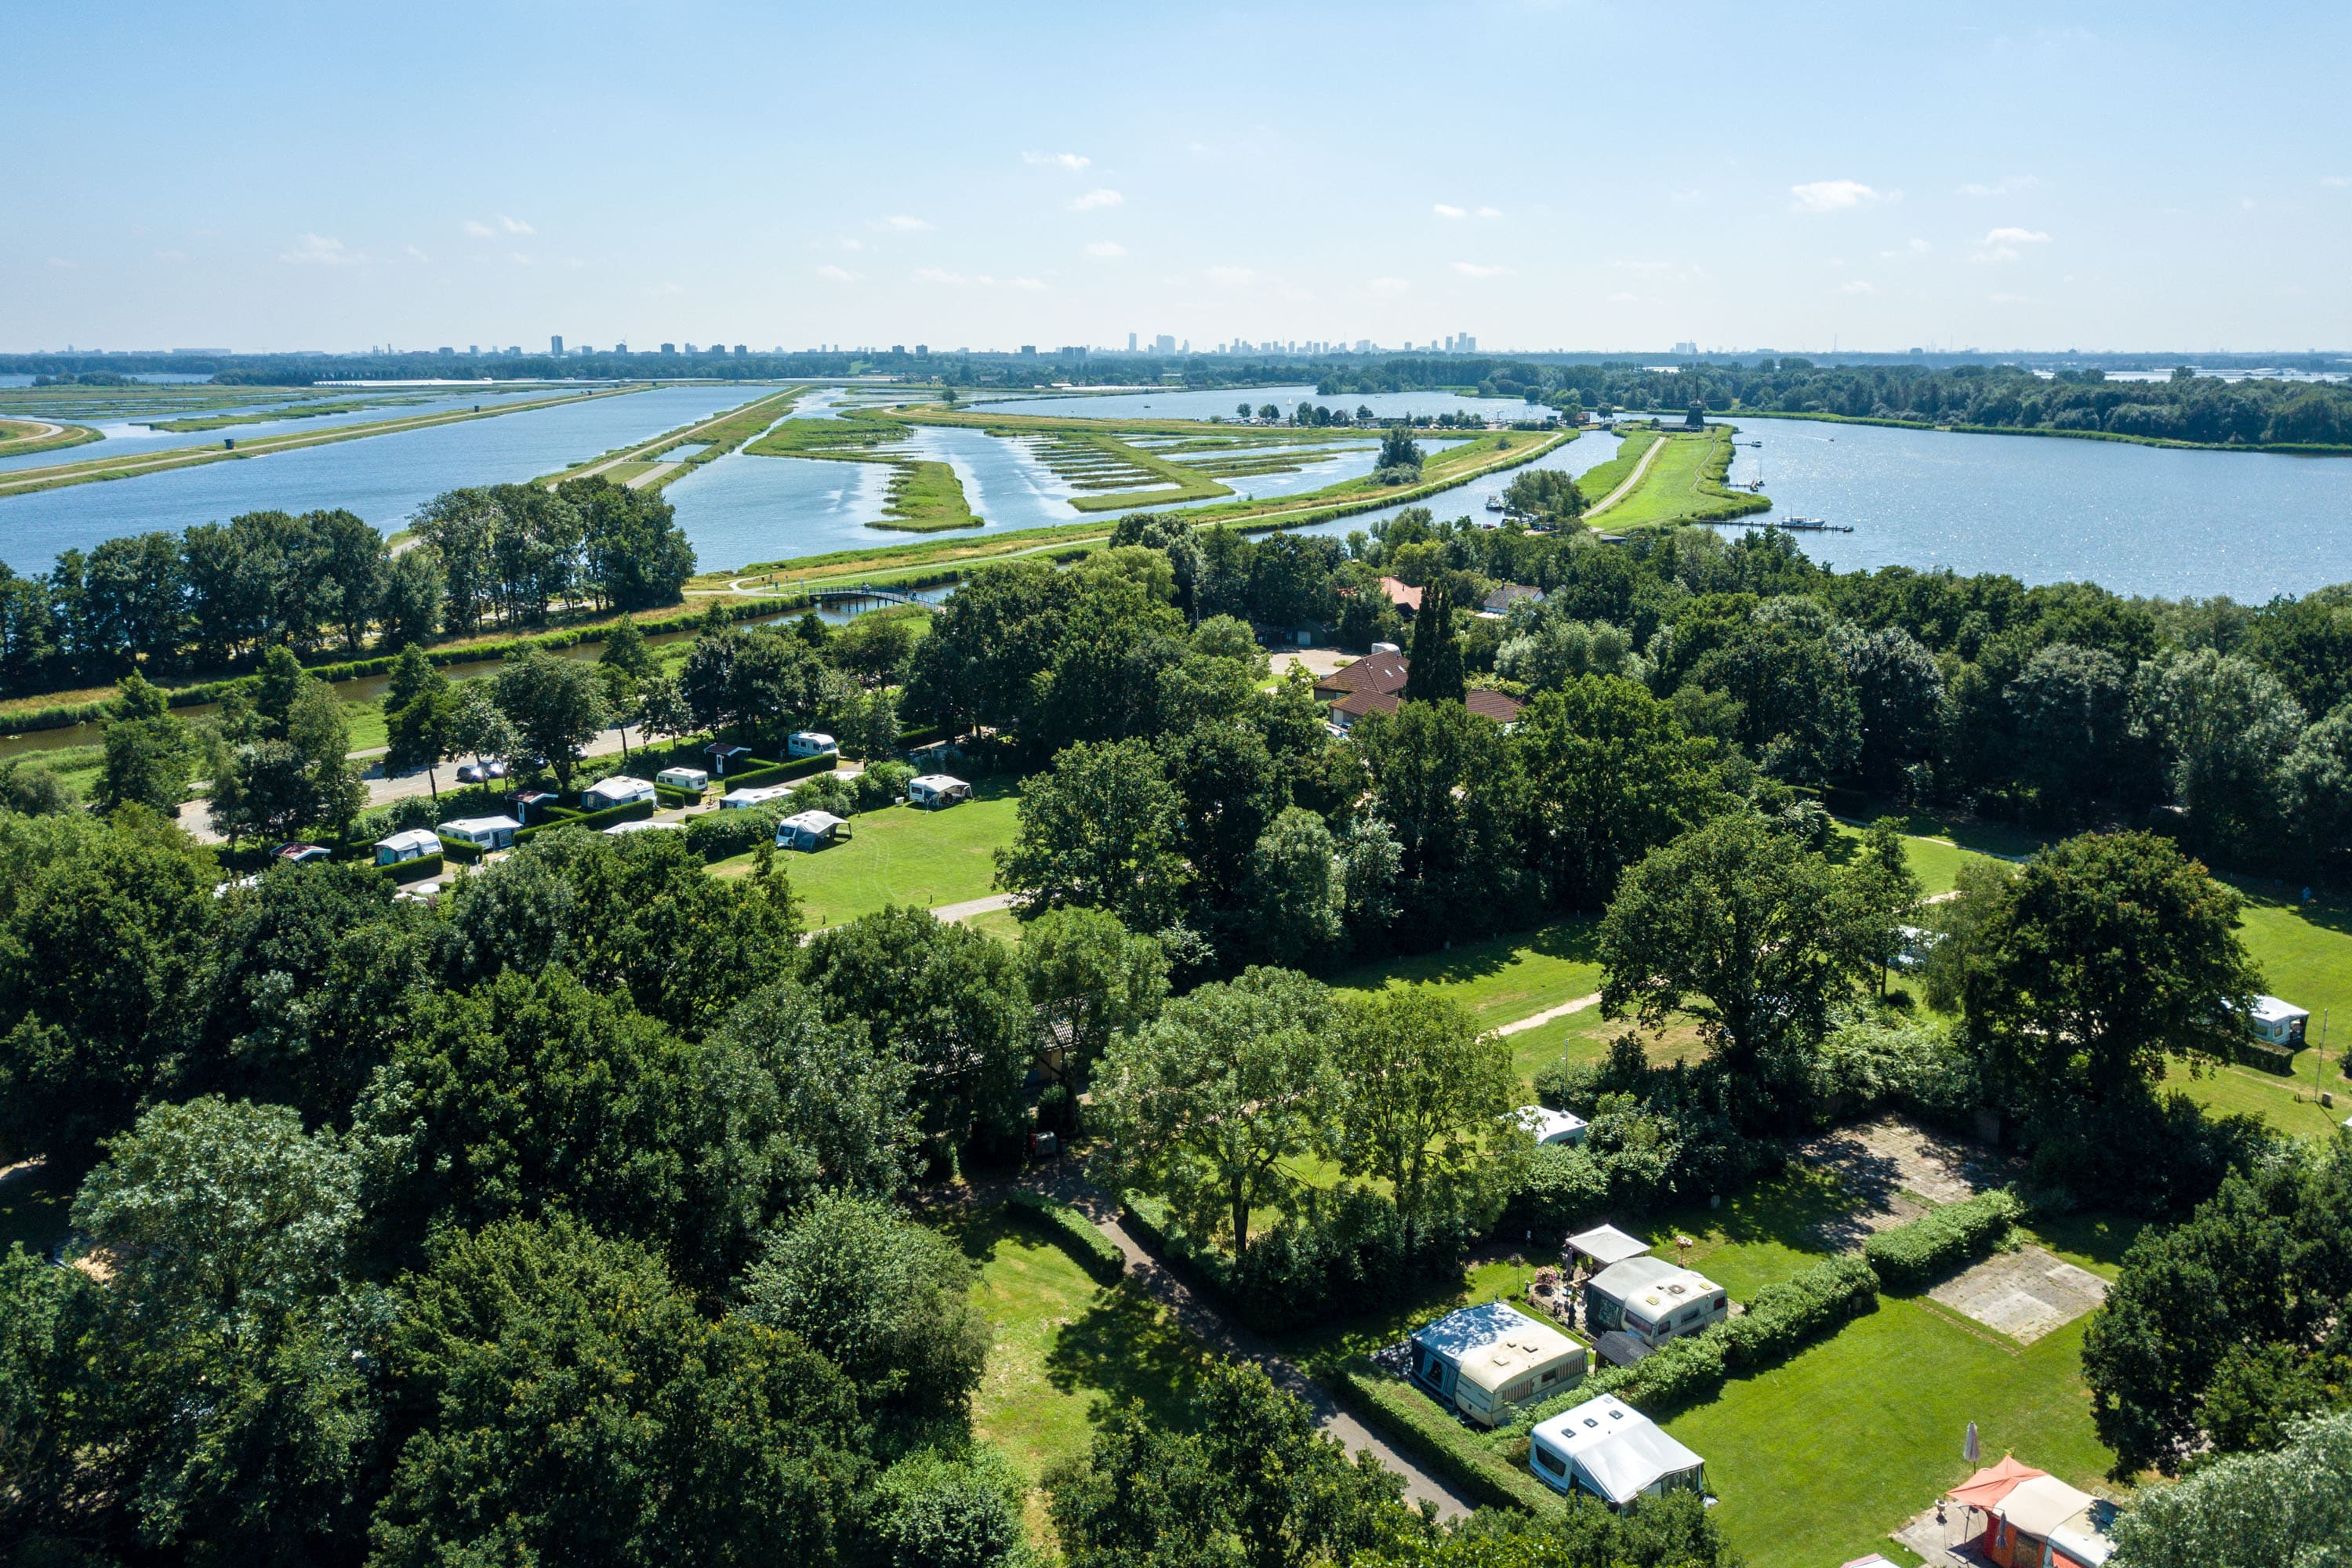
1562 1187
881 783
1868 1062
717 835
1940 1240
417 871
1418 1425
1071 1231
829 791
1355 1254
460 851
760 774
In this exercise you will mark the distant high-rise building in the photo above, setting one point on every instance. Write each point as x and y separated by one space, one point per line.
555 345
1363 345
740 351
1686 347
669 348
474 349
1130 343
452 352
689 348
1469 344
1165 344
1028 350
922 350
620 348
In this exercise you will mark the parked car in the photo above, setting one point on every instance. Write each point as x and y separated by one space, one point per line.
473 772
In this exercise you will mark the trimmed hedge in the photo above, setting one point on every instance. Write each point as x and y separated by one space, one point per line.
594 821
675 798
765 773
1071 1231
1468 1460
417 871
460 851
1781 1321
1940 1240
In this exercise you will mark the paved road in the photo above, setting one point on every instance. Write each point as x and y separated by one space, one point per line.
1210 1326
972 907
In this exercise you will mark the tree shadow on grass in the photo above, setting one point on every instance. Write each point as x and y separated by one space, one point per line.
1576 940
1806 1208
34 1206
1127 1346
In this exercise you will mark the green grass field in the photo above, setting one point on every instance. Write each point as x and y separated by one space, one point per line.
1684 484
1499 978
902 856
1815 1460
926 497
1066 1350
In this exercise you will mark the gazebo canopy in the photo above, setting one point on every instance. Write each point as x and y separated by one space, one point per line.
1606 1245
1988 1487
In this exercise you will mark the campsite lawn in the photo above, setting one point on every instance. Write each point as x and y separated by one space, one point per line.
1818 1458
1499 978
1066 1348
902 856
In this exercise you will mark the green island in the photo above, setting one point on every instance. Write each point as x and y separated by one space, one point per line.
20 437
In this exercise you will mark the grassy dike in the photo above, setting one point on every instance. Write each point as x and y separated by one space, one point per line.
18 437
1684 483
23 481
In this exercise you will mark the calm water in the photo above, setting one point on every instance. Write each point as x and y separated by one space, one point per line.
384 479
122 438
2137 520
1224 405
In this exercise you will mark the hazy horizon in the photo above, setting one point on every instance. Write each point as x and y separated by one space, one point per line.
1586 177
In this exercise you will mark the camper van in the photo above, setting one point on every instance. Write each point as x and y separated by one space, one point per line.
1485 1361
809 743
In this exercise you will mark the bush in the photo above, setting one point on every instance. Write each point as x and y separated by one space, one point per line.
2141 1154
1418 1425
829 793
1355 1256
717 835
1071 1231
417 871
881 783
763 774
1866 1062
461 852
594 821
1563 1187
1940 1240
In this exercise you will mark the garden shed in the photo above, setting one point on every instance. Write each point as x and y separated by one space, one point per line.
414 843
1608 1449
1485 1360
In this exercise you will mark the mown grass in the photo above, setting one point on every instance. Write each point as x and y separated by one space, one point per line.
1499 978
926 497
1066 1351
902 856
1684 484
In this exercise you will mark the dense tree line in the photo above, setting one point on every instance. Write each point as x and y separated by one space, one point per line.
217 595
2184 407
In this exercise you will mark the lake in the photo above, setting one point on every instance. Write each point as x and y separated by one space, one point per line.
121 438
2153 520
384 479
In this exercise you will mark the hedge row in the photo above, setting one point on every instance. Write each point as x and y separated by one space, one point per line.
1940 1240
417 871
765 773
595 821
1071 1231
1467 1460
458 850
1781 1321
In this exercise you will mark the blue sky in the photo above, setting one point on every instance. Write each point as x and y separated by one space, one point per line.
1567 176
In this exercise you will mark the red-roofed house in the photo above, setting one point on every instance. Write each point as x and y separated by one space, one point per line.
1403 595
1383 672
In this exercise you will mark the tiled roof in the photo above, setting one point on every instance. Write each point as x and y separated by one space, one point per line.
1375 673
1494 705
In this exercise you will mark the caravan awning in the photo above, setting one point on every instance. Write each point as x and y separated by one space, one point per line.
1988 1487
1606 1245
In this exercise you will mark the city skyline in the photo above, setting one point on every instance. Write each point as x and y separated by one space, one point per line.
1842 177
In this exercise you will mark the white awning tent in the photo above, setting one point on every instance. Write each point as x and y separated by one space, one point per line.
1606 1245
807 829
642 825
411 843
1613 1451
619 789
760 795
2048 1510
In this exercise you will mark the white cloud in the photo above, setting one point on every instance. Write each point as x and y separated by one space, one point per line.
1443 210
320 250
838 274
848 244
1027 283
1920 248
1387 285
1479 269
903 224
2334 182
515 224
668 288
2016 236
1070 161
175 254
2008 184
411 250
1490 212
2010 299
478 230
938 275
2247 203
1230 274
1683 197
1837 195
1622 297
1106 248
941 275
1858 286
1100 198
62 264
